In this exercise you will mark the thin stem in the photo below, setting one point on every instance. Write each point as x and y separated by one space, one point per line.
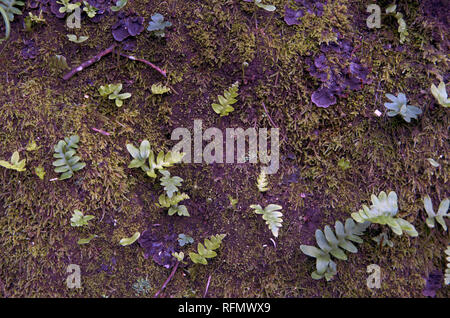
168 279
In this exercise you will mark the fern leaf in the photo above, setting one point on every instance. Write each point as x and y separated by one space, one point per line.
207 250
67 163
271 215
334 244
262 181
382 211
229 98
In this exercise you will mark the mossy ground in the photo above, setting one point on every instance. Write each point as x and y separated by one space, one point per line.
203 54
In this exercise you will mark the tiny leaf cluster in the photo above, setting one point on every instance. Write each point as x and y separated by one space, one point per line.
112 91
79 219
399 106
158 25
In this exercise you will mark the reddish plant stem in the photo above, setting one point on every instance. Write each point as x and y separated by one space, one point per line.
89 62
207 286
167 280
162 72
96 58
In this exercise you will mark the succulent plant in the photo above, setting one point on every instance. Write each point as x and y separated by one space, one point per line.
399 106
439 216
383 210
7 11
440 93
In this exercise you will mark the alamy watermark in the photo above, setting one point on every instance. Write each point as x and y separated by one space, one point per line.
374 279
234 138
74 279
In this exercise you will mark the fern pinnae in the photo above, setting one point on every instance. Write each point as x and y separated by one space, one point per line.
271 215
207 250
229 98
67 163
262 182
331 244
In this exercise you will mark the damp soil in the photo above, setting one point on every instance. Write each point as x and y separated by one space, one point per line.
279 66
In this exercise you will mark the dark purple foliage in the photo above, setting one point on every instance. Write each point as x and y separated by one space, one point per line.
323 97
29 51
292 16
336 77
159 243
128 25
434 282
54 8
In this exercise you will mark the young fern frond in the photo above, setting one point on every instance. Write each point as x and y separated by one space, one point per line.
229 98
271 215
15 163
67 163
436 217
207 250
262 182
382 211
331 244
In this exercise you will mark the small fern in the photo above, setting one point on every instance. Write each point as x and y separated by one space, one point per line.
271 215
436 217
8 10
262 181
160 162
382 211
172 203
331 244
207 250
15 163
67 163
229 98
